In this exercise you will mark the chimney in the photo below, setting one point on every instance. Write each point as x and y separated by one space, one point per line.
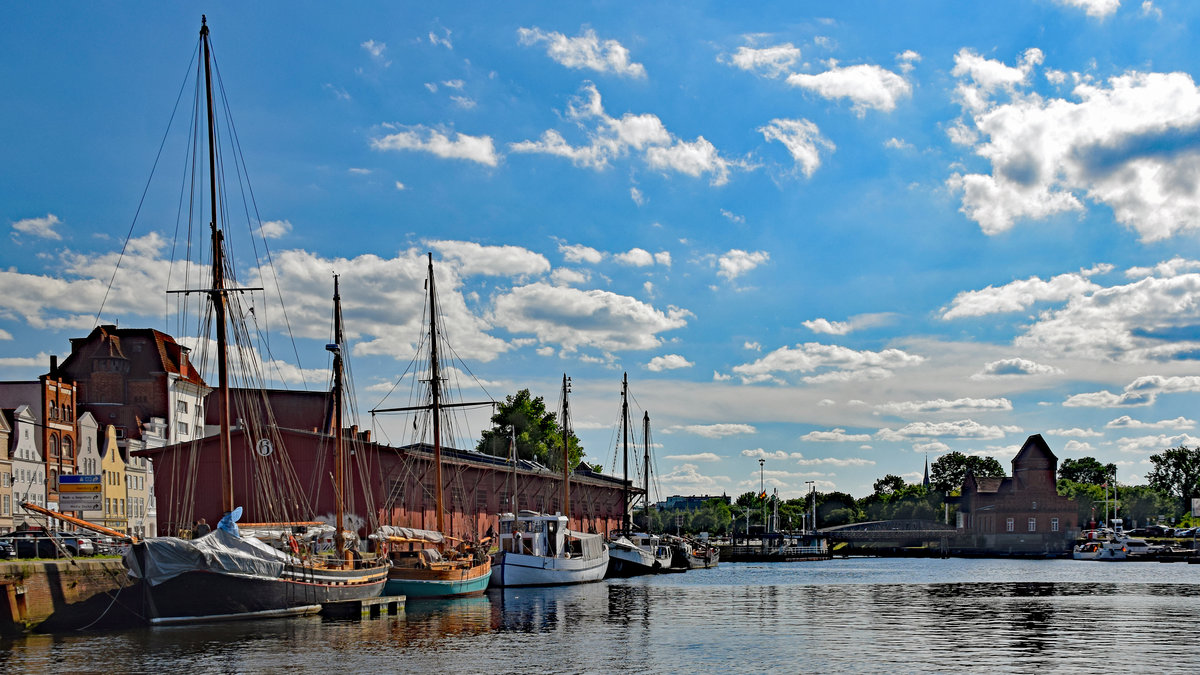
183 360
53 366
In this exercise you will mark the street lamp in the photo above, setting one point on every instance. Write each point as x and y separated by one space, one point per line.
762 491
812 488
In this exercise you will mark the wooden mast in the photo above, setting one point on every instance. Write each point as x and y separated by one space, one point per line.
435 392
646 466
566 442
339 456
625 519
217 293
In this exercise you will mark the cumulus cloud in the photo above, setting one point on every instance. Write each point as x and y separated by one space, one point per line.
584 51
956 429
712 430
1075 432
736 262
377 51
635 257
668 362
1127 422
802 139
1127 144
1015 367
1143 391
1098 9
43 227
835 461
942 405
697 457
574 318
759 453
769 61
1168 268
578 253
835 436
686 479
866 86
511 261
1020 295
610 138
274 229
436 142
1149 445
827 327
811 357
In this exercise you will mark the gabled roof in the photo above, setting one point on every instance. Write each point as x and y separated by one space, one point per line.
989 484
107 342
1035 450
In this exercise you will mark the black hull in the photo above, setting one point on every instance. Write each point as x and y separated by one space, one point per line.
621 569
206 596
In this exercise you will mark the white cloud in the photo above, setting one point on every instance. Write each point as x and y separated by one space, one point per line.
637 196
906 60
584 51
734 263
1020 295
5 335
578 253
759 453
770 61
827 327
39 227
464 102
1015 367
563 276
274 229
835 436
835 461
697 457
897 144
712 430
1127 144
423 139
668 362
574 318
686 479
377 50
472 258
1077 447
733 217
1075 432
1149 445
1148 9
400 186
866 86
1141 392
1098 9
802 139
812 356
635 257
610 138
42 360
443 39
957 429
1127 422
942 405
1168 268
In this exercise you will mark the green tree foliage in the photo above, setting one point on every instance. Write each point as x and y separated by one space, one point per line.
946 474
538 435
1176 472
889 484
1086 470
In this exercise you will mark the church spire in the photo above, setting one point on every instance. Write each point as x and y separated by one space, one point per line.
926 481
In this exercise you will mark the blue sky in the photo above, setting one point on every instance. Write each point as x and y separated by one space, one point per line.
837 238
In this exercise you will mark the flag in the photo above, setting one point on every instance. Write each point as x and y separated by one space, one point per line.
763 495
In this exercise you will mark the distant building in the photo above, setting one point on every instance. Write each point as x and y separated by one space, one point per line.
51 400
690 503
1018 515
28 465
6 482
90 440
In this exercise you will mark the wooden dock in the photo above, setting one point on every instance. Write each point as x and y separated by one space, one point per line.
372 608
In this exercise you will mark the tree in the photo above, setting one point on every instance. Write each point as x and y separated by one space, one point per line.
1176 472
537 433
1086 470
946 474
889 484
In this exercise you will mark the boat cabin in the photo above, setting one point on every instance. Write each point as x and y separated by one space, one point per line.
533 533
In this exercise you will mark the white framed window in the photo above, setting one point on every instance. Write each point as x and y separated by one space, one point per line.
1054 524
1033 524
1010 525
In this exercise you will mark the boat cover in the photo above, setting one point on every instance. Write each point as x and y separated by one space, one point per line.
409 533
592 545
218 551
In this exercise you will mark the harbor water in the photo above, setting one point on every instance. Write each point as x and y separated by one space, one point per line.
842 615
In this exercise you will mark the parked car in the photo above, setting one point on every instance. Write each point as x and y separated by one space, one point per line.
1184 532
44 544
7 550
1158 531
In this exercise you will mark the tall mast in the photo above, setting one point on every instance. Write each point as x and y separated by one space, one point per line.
566 443
435 390
339 456
625 520
646 466
217 293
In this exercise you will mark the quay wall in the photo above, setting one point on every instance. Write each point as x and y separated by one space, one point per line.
64 595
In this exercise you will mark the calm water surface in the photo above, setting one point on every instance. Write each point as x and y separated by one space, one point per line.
852 615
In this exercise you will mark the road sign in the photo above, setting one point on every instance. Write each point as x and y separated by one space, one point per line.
80 501
79 483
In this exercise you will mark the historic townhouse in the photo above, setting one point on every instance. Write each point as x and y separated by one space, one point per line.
28 465
52 402
6 493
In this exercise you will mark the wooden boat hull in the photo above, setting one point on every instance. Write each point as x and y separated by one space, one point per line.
519 569
413 582
202 595
698 560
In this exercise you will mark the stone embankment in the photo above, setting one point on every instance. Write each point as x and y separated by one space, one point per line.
65 595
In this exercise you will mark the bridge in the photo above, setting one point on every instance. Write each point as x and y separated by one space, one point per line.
890 534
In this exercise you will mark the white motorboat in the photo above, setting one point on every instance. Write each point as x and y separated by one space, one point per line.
539 550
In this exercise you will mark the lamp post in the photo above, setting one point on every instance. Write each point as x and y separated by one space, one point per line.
812 488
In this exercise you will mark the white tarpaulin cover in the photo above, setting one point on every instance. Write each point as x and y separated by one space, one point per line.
218 551
409 533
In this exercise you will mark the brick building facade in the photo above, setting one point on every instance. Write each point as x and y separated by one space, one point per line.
1022 514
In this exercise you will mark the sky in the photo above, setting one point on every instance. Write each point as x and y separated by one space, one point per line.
838 237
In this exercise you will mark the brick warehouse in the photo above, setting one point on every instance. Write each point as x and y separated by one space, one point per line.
1022 514
395 484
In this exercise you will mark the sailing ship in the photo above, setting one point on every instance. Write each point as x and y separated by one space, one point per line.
428 568
223 575
539 549
636 553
